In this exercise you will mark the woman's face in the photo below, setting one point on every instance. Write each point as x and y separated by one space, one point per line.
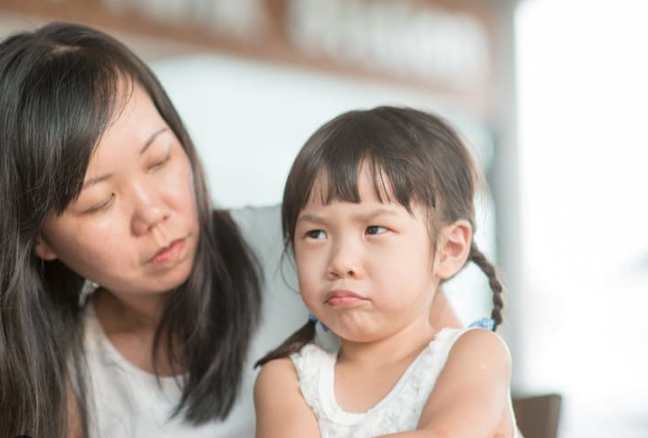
134 228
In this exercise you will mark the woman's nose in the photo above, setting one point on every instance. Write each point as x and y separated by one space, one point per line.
150 209
345 262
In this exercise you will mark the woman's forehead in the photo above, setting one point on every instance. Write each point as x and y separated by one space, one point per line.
135 118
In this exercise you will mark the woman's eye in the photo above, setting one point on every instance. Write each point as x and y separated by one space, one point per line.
101 206
375 229
316 234
160 163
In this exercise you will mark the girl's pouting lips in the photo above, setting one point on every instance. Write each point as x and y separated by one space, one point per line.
343 298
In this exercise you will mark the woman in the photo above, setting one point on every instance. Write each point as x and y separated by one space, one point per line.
100 183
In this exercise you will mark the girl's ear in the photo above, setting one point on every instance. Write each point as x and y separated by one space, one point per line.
453 248
43 250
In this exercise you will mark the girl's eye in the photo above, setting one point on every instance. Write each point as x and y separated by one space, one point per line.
316 234
375 229
101 206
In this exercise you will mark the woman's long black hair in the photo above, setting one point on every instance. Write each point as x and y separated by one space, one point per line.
58 92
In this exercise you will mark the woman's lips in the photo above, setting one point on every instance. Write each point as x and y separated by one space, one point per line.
343 298
168 253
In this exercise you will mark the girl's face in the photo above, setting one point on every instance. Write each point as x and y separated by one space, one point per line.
134 227
365 269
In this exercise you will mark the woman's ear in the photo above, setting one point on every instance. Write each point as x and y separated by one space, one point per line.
43 250
453 248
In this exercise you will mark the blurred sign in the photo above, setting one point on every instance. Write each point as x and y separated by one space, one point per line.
442 46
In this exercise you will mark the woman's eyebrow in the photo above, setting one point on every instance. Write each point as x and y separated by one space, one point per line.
147 143
151 139
95 181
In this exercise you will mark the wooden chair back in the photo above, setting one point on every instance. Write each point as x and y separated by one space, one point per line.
538 416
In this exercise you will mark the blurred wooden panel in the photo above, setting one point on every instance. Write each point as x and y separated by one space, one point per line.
446 47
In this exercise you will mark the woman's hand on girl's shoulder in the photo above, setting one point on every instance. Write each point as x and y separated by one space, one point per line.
281 410
471 395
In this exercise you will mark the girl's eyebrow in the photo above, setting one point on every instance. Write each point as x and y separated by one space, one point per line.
361 217
151 139
376 213
310 218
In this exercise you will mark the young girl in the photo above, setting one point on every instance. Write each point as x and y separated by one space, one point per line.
378 209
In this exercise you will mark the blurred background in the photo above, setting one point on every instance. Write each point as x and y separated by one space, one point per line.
551 95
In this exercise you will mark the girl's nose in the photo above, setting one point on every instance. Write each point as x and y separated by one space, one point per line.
150 209
344 263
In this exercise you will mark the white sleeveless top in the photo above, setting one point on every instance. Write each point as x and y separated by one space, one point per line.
128 402
398 411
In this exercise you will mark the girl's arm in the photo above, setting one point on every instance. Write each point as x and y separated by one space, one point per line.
471 393
281 410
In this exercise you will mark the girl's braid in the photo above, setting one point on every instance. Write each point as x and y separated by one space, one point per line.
496 286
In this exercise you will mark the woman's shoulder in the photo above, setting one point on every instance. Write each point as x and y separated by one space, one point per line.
261 229
251 217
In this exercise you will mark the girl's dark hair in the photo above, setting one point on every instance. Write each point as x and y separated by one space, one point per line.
412 156
58 93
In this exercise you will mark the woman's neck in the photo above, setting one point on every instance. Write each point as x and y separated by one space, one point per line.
130 323
130 312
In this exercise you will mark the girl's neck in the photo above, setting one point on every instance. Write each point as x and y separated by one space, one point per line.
366 372
403 345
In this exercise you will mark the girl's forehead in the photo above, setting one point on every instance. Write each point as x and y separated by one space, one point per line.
367 183
368 206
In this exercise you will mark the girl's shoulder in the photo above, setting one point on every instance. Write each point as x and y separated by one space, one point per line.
286 369
311 361
474 381
275 374
299 366
279 404
313 352
478 347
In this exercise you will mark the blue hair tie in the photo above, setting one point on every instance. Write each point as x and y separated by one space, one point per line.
485 323
312 318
